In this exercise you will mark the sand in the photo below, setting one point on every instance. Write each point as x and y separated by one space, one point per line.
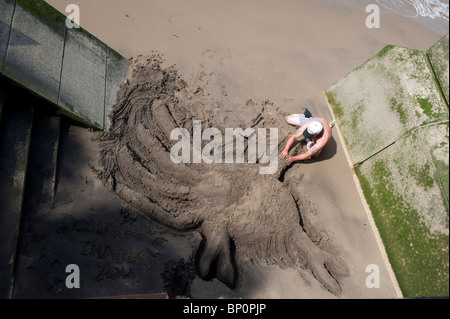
304 233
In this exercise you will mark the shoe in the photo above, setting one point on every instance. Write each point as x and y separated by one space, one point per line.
307 113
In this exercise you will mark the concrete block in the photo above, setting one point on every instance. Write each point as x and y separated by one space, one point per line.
418 171
38 196
35 48
6 14
83 76
406 186
439 56
68 67
14 150
383 99
117 68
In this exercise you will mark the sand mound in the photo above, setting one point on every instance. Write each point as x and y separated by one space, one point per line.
239 212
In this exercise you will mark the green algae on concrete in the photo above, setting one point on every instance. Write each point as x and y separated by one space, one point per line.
438 55
406 187
393 119
45 13
383 99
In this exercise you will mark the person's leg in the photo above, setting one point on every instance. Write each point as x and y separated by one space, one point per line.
294 119
299 119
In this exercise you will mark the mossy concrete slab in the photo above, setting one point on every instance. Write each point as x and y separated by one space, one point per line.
383 99
439 56
83 77
117 68
6 14
393 118
406 187
35 49
67 66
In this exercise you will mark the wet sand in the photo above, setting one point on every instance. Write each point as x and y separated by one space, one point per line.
287 53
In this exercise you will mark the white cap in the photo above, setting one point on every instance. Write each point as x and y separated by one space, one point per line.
315 128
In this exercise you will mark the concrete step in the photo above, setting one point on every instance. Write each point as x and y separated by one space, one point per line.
14 151
2 94
29 143
41 174
39 189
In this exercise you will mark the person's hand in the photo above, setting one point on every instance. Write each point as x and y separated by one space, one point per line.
284 154
290 160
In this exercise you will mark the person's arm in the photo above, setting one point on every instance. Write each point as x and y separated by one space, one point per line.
289 143
291 140
302 156
311 152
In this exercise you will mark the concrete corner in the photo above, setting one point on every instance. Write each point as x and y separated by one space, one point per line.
117 68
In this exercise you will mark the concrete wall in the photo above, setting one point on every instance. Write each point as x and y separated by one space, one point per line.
67 66
393 117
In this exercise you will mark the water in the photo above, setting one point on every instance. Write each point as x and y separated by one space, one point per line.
414 8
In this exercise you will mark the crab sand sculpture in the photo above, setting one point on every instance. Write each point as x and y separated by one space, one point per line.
237 210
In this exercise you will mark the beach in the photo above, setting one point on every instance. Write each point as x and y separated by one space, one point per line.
281 55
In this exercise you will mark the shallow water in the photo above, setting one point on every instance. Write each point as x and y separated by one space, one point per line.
414 8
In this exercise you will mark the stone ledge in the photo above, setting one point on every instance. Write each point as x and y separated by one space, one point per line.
393 119
68 67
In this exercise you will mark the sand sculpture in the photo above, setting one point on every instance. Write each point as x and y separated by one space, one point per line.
239 212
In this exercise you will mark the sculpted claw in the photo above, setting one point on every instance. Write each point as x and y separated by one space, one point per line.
215 258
